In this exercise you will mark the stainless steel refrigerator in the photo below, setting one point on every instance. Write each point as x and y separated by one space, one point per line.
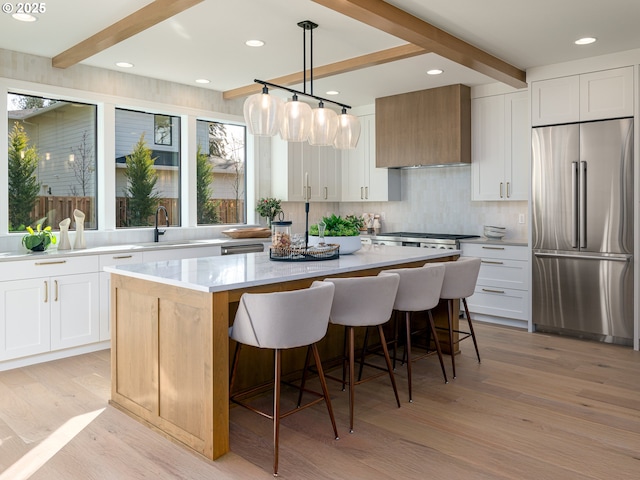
582 221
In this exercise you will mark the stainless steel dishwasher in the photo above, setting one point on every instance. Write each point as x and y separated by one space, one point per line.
236 249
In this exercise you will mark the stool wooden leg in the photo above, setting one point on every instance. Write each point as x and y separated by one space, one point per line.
407 318
432 327
473 334
325 390
304 375
385 349
276 409
352 390
450 319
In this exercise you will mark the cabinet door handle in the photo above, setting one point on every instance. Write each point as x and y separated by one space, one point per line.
501 190
492 262
46 291
55 262
508 189
366 193
326 193
121 257
493 248
489 290
55 284
361 193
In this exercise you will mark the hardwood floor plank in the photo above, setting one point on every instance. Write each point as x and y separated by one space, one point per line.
539 406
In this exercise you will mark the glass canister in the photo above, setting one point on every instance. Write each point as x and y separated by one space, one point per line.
281 234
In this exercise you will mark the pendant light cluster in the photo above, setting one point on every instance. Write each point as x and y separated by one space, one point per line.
296 121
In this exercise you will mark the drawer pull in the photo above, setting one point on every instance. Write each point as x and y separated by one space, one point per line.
55 262
121 257
489 290
493 248
492 262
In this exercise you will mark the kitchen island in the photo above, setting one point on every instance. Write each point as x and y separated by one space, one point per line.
170 319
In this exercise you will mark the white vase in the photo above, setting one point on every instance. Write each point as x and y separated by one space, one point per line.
79 240
64 243
347 244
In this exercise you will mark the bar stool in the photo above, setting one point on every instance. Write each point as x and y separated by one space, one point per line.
460 279
419 291
277 321
363 302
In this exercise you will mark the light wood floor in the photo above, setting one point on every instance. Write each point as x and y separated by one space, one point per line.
538 407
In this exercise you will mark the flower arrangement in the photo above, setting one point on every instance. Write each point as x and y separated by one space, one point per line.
269 207
38 240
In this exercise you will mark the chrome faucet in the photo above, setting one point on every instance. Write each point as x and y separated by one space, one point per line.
156 232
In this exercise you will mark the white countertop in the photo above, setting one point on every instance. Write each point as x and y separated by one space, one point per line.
53 252
214 274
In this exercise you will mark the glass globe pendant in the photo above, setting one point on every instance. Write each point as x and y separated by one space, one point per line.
263 113
324 125
296 121
348 131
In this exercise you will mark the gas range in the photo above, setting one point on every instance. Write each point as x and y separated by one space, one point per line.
424 240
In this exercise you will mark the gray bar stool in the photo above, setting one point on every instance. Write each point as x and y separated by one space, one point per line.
278 321
460 280
419 291
362 302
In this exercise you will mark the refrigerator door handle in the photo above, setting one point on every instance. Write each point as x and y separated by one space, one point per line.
618 258
583 204
574 204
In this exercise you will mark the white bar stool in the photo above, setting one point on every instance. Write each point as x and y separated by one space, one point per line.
419 291
363 302
277 321
460 280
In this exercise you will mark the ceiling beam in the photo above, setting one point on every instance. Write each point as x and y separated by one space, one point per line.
392 20
344 66
146 17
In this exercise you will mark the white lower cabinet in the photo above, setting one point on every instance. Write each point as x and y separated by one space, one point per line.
502 290
49 312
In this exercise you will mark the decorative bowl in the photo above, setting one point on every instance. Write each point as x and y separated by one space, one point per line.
491 231
347 244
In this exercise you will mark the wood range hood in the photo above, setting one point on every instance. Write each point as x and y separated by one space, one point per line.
427 128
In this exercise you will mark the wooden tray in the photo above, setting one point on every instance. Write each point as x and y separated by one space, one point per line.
257 232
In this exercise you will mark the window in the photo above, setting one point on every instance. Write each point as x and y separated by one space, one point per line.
52 161
162 129
147 177
221 182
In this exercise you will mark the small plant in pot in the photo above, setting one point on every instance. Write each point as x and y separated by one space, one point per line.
38 240
343 231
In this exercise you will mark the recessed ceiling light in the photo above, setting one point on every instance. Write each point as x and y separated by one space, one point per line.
434 71
254 43
333 92
24 17
203 80
124 64
585 41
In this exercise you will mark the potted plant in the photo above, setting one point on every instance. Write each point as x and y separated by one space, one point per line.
268 207
343 231
38 240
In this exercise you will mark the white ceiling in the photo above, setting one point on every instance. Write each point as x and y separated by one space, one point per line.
207 41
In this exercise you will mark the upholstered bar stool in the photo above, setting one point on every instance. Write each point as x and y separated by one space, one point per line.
279 321
419 291
460 279
363 302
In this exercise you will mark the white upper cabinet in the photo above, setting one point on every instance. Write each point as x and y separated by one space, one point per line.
590 96
362 181
302 172
500 146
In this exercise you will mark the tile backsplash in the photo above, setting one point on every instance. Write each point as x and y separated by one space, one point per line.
435 200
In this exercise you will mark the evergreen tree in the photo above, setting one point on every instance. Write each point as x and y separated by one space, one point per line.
142 198
23 184
207 211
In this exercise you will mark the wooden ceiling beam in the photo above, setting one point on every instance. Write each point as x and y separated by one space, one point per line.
146 17
344 66
396 22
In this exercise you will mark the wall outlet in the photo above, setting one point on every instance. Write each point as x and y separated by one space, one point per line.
521 218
